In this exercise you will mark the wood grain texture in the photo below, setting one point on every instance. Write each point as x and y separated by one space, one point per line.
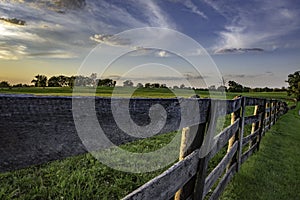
219 169
165 185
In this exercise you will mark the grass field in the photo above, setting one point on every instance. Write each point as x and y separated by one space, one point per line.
274 171
140 92
83 177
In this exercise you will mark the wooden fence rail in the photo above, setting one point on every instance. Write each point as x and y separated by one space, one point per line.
38 129
266 113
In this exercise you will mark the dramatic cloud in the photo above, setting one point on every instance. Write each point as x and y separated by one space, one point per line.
47 29
59 6
14 21
239 50
255 23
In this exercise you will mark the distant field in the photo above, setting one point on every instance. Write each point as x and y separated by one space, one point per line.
140 92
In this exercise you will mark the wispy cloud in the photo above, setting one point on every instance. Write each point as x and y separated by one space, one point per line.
111 40
193 8
259 24
238 50
63 24
12 52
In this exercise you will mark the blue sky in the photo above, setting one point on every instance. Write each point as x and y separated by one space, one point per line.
253 42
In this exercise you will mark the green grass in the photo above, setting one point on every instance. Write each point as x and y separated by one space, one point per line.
140 92
274 171
79 177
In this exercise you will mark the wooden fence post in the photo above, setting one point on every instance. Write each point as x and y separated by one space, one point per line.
261 126
241 133
191 139
203 164
234 116
255 126
270 113
267 105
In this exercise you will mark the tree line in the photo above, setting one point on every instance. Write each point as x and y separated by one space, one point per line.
92 81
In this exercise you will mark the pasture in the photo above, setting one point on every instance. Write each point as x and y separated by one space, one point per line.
83 177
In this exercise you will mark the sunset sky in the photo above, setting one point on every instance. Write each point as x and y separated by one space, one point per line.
255 43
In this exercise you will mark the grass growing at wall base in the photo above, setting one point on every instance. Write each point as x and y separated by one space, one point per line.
274 171
79 177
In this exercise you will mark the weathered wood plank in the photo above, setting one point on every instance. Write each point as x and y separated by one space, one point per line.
250 101
249 152
225 107
250 137
191 139
223 138
252 119
166 184
219 169
267 120
223 182
241 135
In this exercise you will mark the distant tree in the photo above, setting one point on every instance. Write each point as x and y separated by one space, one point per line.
93 77
4 84
212 87
53 82
182 86
128 83
147 85
155 85
222 88
266 89
294 85
139 85
82 81
246 89
234 87
163 85
18 85
175 87
106 82
40 81
71 81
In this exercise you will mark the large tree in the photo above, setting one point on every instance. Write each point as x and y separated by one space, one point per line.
4 84
40 81
294 85
235 87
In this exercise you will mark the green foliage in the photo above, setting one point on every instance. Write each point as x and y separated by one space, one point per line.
294 85
235 87
40 81
106 82
128 83
4 84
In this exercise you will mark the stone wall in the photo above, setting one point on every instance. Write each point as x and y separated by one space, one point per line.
37 129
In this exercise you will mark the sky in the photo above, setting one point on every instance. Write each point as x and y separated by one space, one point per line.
255 42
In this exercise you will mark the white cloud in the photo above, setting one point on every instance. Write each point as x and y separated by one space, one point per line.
259 25
12 52
162 53
111 40
48 29
193 8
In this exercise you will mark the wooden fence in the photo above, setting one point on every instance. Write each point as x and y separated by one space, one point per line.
34 130
188 179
